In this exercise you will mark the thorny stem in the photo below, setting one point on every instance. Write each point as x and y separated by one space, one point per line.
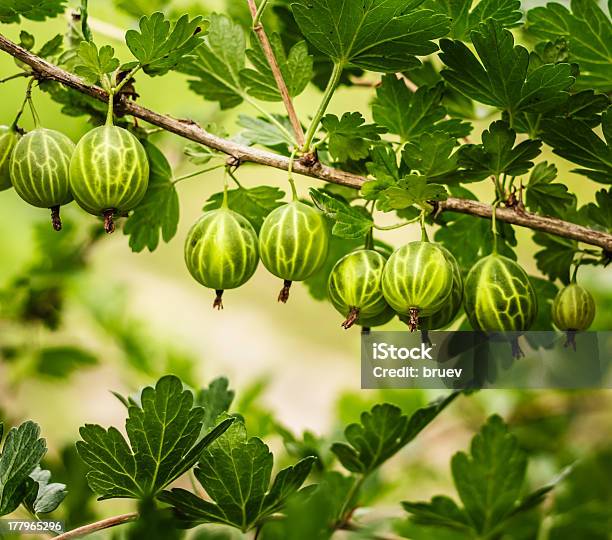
190 130
98 526
274 66
327 95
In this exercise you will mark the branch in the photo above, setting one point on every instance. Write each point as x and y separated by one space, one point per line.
188 129
98 526
278 76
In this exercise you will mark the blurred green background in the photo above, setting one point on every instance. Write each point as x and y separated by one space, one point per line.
142 315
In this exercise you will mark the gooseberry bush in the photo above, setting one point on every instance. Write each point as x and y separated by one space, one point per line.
531 81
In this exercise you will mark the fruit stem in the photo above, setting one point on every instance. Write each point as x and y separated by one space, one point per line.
218 303
424 237
369 239
56 220
196 173
23 104
109 223
494 224
351 319
283 296
225 187
290 171
327 95
109 112
576 266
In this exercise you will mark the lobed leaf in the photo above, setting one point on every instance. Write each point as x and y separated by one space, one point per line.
164 443
95 65
545 196
35 10
22 451
159 46
350 137
236 471
376 35
348 221
382 433
46 496
158 213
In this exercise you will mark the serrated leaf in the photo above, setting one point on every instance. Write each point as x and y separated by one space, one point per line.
296 68
350 137
600 212
159 46
236 471
575 141
585 25
163 433
94 65
158 213
411 190
215 400
377 35
497 153
432 156
35 10
349 221
23 449
382 433
464 19
489 481
499 76
545 196
52 48
252 203
409 114
496 466
47 496
556 258
217 63
262 131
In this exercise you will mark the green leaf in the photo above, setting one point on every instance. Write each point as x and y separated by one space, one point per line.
296 68
236 471
545 196
350 137
577 142
497 153
463 21
26 40
440 512
138 8
556 258
600 212
501 77
62 361
252 203
23 449
262 131
432 156
410 190
95 65
158 213
35 10
489 480
382 433
377 35
215 400
52 47
159 46
409 114
583 27
349 221
218 63
47 496
164 443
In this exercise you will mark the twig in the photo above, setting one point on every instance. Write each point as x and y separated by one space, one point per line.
190 130
278 76
98 526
